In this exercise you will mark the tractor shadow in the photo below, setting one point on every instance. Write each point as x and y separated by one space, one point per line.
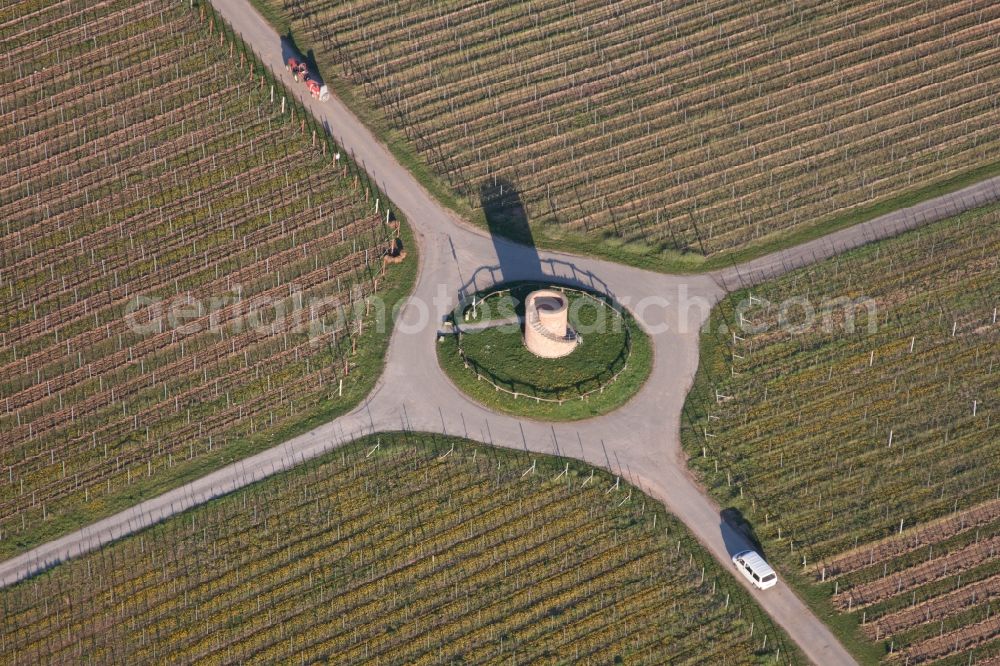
737 533
289 49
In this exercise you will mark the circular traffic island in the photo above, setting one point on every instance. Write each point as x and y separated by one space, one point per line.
546 352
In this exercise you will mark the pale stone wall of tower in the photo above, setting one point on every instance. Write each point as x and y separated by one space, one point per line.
546 324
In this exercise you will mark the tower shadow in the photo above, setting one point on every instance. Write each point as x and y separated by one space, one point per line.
510 230
514 245
518 259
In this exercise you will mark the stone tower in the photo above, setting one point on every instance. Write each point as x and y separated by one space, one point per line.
546 324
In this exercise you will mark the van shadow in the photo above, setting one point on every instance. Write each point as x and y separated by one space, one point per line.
289 49
737 533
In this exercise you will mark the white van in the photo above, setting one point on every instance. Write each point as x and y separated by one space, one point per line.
756 570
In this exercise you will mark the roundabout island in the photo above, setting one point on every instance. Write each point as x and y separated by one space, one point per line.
544 351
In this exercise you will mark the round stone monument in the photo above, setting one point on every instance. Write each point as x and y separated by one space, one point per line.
546 324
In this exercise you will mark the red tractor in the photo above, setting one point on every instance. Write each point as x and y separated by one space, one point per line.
316 89
300 72
298 69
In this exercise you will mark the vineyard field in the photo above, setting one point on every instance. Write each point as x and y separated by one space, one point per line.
185 269
850 409
401 548
661 134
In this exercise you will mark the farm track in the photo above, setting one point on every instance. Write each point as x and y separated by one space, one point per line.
630 441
